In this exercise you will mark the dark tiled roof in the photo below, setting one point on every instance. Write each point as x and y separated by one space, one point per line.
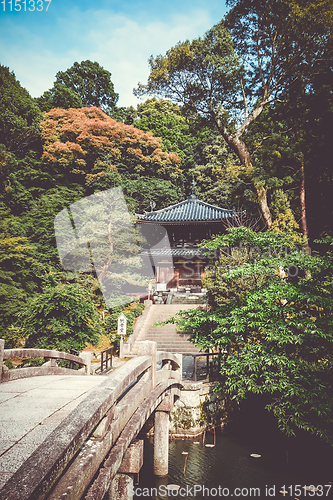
190 210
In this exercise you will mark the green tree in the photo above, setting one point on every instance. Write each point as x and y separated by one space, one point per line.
19 275
310 114
38 222
316 142
232 85
185 138
24 180
59 96
300 35
123 114
63 317
19 114
271 315
141 193
220 179
277 160
83 84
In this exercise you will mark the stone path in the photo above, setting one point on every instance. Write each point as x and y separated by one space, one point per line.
30 409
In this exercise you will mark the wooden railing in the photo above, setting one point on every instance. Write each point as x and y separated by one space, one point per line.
211 371
106 361
49 367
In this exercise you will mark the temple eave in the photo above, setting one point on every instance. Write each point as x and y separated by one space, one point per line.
180 222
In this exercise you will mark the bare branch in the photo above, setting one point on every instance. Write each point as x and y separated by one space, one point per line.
241 219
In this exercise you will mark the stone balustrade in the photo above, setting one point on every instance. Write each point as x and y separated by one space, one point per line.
50 366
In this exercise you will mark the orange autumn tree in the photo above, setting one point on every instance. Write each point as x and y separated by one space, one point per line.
86 141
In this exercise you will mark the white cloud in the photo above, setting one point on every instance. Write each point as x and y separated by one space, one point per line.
126 48
120 44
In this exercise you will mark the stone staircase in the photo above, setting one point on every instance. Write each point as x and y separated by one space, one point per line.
167 337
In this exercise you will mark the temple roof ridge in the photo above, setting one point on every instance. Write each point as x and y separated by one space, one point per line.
192 209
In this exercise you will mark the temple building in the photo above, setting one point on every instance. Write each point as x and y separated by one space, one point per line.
179 265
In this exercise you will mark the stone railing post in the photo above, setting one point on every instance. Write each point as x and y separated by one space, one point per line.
87 357
161 436
122 486
149 348
179 371
2 348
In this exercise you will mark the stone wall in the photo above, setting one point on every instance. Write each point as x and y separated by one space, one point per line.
197 409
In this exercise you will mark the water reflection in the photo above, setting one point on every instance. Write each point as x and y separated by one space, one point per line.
228 470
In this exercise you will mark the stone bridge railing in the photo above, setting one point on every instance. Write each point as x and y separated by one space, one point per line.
50 367
102 430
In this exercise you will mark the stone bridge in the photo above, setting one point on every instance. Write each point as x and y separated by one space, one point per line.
93 450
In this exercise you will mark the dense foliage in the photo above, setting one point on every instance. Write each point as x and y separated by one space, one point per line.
80 139
60 316
248 61
271 315
70 154
19 114
19 271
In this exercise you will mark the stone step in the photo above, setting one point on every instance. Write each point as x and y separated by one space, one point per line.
171 333
174 334
186 345
167 337
169 346
187 300
175 338
149 336
178 351
177 345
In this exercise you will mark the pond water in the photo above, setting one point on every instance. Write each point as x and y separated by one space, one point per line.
228 469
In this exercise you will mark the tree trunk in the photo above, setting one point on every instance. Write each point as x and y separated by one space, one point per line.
262 200
304 224
239 147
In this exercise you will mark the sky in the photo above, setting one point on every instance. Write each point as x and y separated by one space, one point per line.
119 34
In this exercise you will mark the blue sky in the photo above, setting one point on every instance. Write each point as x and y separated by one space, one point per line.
119 34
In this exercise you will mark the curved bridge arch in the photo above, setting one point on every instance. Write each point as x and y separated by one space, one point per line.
101 427
48 368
